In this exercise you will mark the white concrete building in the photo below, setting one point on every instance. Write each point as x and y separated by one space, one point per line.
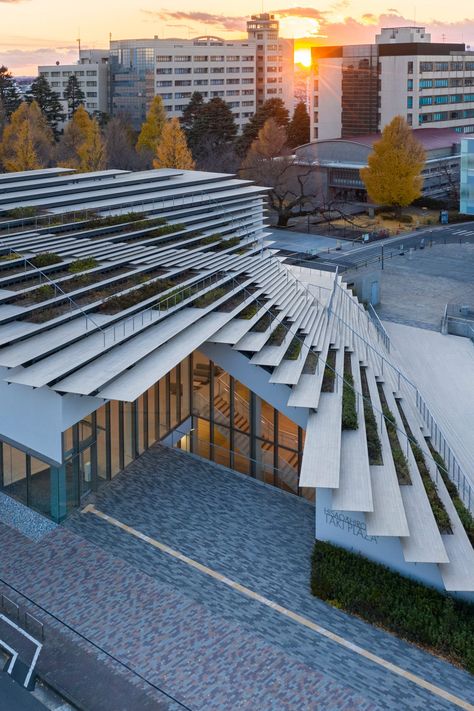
151 309
358 89
274 60
244 72
92 72
212 66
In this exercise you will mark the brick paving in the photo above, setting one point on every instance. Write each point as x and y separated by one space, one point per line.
204 643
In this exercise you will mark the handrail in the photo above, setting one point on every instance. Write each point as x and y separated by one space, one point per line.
453 469
55 285
381 332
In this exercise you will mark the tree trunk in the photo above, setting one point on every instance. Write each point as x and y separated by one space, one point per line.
283 219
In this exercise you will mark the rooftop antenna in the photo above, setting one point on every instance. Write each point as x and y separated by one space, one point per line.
443 37
79 43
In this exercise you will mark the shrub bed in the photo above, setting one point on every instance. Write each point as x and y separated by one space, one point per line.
249 311
209 297
226 244
349 412
437 506
45 259
383 597
464 514
83 264
311 363
329 377
399 459
277 336
294 349
374 446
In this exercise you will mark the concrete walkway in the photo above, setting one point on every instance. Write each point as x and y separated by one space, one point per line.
443 369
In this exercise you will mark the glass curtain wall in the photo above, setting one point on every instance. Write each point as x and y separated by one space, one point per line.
218 417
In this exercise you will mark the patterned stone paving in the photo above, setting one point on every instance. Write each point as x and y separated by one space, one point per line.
262 538
205 644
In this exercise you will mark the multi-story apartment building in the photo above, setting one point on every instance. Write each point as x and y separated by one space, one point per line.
92 72
175 68
274 60
358 89
211 66
244 72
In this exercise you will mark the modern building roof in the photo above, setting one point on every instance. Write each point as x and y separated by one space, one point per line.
122 276
430 138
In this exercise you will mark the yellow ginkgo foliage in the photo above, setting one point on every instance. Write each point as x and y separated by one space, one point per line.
393 175
150 133
27 141
172 150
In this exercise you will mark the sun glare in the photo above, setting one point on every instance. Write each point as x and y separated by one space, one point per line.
303 56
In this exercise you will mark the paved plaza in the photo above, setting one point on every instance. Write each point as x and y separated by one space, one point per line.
202 642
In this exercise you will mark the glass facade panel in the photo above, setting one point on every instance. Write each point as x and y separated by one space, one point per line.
215 416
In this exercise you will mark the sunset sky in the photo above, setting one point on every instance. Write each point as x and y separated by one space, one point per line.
35 32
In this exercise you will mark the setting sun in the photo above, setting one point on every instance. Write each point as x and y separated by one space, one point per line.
303 56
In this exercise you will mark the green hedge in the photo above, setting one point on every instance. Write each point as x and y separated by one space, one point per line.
381 596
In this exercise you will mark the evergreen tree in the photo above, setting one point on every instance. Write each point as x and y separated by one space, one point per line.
3 117
393 176
172 150
298 128
73 95
192 111
91 153
75 134
27 140
272 108
213 130
48 101
151 129
9 94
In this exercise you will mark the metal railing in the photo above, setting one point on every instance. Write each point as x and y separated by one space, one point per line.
381 332
74 305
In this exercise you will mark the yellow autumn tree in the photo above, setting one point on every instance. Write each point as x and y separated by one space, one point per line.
27 141
151 129
91 153
172 150
75 134
393 175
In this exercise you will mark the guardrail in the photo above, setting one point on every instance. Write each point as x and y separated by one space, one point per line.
381 332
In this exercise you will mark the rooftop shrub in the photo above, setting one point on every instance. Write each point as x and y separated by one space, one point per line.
45 259
294 349
329 377
464 514
277 336
399 459
374 446
249 311
210 297
81 265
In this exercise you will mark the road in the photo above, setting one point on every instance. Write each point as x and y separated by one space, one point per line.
350 255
